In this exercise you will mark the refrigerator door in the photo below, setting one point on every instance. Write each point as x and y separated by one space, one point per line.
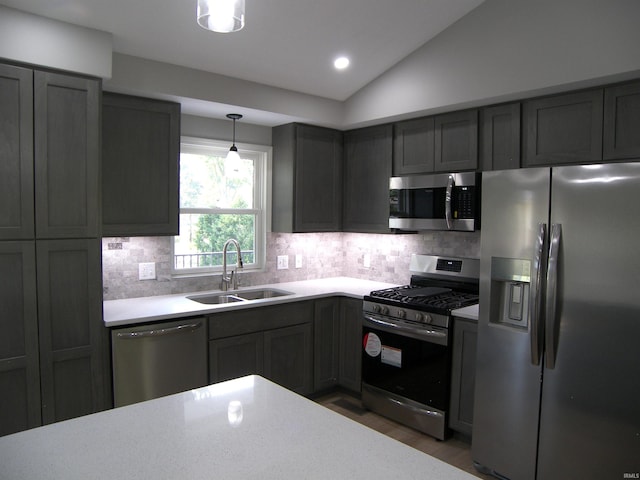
590 414
515 211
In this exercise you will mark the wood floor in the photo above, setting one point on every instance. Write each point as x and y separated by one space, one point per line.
454 451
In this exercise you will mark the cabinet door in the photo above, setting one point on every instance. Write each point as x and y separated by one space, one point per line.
368 157
19 368
326 355
622 122
350 372
463 374
140 165
563 129
72 335
66 132
16 153
288 357
500 138
413 146
318 180
456 141
234 357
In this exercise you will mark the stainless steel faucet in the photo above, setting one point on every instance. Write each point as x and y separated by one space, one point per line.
226 280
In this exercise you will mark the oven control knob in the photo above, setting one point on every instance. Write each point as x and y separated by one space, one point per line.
402 314
384 310
376 308
419 317
427 318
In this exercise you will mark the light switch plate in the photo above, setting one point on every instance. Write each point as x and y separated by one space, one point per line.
147 271
283 262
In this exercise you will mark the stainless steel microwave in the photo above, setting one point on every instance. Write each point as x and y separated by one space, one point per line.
448 201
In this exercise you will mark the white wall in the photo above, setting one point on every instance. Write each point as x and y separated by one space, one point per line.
507 49
40 41
194 126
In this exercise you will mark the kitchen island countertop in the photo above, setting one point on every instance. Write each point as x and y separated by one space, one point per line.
241 429
164 307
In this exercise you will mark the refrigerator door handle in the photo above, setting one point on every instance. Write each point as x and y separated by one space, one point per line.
552 288
535 300
447 202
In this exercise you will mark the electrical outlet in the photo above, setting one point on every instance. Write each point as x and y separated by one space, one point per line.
147 271
283 262
366 261
298 261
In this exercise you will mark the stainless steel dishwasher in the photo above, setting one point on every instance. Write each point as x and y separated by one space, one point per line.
154 360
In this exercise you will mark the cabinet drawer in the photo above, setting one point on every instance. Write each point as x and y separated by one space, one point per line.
240 322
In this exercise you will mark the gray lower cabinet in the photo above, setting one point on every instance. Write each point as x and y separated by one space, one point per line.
19 352
307 179
563 129
368 159
274 341
140 166
500 137
337 337
463 375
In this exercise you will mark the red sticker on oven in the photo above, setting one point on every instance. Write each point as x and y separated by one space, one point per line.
372 344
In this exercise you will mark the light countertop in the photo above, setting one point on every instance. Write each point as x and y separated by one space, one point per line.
163 307
470 312
241 429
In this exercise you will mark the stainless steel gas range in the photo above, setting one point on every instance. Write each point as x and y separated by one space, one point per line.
406 356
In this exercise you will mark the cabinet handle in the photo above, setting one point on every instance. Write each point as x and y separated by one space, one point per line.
160 331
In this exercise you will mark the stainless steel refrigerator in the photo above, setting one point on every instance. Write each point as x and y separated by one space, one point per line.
558 361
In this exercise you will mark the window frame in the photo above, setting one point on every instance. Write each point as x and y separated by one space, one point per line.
261 209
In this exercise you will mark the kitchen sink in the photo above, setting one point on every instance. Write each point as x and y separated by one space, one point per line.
238 296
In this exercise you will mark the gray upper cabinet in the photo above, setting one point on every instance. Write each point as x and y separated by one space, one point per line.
500 137
19 360
622 122
16 153
140 166
456 141
368 163
563 129
67 156
413 146
307 179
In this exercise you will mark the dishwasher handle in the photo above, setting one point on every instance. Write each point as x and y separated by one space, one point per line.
157 332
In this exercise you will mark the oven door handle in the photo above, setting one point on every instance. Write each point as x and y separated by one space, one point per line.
434 335
422 411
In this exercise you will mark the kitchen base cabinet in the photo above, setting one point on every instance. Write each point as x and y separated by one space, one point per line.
19 357
463 373
350 370
326 338
274 341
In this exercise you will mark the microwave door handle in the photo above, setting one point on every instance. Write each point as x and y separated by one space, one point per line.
447 202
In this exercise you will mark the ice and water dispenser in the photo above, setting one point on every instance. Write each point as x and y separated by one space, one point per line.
510 286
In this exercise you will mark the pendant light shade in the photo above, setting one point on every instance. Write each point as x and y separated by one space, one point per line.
233 151
222 16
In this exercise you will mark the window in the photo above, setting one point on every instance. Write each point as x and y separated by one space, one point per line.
220 200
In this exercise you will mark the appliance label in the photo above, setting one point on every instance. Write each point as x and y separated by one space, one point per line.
372 344
392 356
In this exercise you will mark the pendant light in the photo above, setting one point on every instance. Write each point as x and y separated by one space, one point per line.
233 151
222 16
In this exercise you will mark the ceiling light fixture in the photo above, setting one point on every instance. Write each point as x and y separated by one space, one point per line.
222 16
341 63
233 151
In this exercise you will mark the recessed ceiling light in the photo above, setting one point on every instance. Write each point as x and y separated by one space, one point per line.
341 63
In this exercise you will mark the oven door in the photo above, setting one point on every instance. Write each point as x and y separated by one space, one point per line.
413 363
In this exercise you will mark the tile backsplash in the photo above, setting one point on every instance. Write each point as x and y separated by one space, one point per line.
368 256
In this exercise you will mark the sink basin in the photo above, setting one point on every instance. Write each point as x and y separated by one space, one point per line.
238 296
262 293
215 298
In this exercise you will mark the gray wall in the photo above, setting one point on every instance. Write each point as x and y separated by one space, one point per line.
507 49
41 41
